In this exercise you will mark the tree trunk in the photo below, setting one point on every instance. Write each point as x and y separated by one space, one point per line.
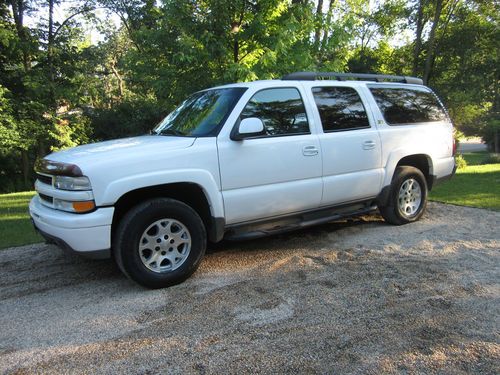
495 142
329 15
236 49
119 78
18 7
432 40
418 36
50 52
319 24
25 168
443 26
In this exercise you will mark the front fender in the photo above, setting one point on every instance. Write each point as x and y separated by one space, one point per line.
203 178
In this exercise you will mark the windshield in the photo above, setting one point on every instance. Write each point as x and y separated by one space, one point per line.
202 114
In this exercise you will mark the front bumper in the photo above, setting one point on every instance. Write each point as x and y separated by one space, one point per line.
86 234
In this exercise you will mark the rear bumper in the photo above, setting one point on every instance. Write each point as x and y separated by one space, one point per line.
438 180
86 234
444 170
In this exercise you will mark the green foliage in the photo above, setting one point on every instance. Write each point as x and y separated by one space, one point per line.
458 135
59 90
128 118
466 70
490 131
70 130
9 137
460 162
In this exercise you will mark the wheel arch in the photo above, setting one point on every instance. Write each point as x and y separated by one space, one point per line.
423 162
189 193
419 160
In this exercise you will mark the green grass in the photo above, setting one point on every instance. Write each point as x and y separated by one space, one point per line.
15 224
476 185
476 158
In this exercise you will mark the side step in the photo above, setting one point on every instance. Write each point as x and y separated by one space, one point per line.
249 231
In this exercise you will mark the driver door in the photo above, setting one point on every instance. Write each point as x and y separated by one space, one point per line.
278 172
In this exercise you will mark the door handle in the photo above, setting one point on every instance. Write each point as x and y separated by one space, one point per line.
368 145
310 151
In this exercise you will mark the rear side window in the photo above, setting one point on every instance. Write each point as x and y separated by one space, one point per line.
402 106
340 108
281 110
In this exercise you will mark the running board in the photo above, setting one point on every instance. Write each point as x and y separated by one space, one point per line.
249 231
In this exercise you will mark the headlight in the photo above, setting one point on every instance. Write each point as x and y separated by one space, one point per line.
72 183
72 206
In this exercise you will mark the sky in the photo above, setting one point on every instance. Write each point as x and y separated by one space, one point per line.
62 11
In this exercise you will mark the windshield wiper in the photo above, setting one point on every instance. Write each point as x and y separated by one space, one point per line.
171 131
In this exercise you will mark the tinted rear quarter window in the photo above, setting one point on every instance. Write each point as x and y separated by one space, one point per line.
340 108
401 106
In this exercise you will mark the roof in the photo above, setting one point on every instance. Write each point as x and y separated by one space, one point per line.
349 79
313 76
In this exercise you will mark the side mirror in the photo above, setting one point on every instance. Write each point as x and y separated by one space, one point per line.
247 128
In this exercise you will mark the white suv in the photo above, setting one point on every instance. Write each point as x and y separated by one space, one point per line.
247 160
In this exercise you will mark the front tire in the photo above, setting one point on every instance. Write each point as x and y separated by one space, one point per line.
407 197
160 243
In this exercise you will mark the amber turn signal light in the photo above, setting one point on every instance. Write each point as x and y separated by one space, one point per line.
83 206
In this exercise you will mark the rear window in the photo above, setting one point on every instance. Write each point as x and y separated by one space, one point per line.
401 106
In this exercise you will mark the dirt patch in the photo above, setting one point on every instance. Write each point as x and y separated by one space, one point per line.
356 296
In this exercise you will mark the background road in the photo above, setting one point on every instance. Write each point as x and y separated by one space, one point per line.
348 297
472 145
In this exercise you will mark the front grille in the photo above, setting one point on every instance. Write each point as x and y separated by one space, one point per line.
44 178
46 198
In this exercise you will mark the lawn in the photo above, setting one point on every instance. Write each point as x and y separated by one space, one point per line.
476 185
15 224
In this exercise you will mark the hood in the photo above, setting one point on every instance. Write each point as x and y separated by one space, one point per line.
120 149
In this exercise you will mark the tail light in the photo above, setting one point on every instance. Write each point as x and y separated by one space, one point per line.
454 146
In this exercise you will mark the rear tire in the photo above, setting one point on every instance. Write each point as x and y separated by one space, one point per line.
407 197
160 243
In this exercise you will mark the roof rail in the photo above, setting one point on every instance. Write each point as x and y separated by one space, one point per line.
312 76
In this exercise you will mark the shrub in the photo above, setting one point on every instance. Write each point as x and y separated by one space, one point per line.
126 119
491 133
460 161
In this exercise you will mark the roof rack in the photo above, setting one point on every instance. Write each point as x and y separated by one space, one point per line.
313 76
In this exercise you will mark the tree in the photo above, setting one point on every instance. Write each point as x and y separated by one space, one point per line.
57 89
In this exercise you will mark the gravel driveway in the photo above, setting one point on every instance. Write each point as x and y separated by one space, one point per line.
355 296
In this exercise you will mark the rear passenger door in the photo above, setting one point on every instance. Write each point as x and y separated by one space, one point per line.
350 143
278 172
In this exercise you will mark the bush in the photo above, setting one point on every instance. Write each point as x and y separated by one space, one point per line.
460 162
126 119
491 133
458 135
